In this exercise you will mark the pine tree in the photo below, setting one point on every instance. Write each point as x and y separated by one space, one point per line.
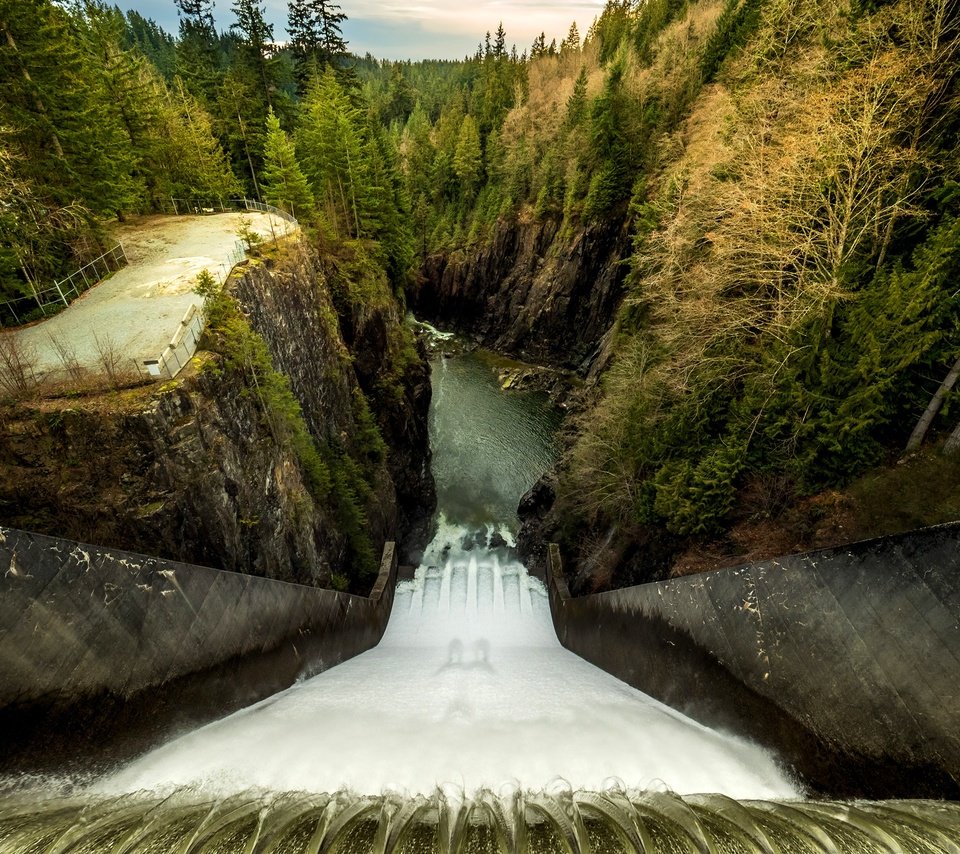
198 61
238 112
577 103
467 161
331 154
316 36
54 99
571 44
152 41
256 41
402 98
195 161
539 47
500 44
282 181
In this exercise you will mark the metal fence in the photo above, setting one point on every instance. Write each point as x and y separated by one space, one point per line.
184 343
182 207
59 295
200 207
251 205
181 347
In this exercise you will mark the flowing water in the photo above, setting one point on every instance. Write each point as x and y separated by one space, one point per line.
469 728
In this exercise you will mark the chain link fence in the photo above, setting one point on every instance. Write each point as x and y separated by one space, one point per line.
50 300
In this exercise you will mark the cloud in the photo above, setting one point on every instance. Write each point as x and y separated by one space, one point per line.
420 29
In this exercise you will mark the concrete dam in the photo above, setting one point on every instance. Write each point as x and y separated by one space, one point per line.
806 704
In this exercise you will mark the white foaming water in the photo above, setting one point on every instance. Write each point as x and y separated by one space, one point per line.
468 689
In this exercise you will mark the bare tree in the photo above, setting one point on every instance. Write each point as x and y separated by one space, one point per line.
923 425
17 360
68 357
111 359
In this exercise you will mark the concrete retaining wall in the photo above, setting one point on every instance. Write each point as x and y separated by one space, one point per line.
104 652
846 660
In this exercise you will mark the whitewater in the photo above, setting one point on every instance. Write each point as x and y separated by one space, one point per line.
469 689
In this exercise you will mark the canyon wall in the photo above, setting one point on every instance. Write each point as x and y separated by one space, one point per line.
200 470
532 291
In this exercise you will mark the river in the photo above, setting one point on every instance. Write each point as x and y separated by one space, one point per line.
468 728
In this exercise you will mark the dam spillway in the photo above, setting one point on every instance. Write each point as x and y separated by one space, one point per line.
469 689
469 728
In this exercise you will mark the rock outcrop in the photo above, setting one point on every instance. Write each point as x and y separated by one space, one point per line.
533 291
195 470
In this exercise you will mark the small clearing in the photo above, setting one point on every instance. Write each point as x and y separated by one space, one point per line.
134 313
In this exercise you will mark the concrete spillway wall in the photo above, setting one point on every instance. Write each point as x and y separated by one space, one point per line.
103 652
847 661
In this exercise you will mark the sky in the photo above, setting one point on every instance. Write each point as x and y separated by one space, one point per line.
417 29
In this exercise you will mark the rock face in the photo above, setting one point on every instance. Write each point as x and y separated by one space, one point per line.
328 361
189 472
193 470
533 291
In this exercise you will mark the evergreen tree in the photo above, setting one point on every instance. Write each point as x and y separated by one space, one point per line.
54 100
316 35
239 125
500 43
283 182
195 162
198 56
571 44
331 155
402 98
539 47
256 45
577 103
467 161
153 42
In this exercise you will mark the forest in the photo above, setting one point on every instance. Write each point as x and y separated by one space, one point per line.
788 172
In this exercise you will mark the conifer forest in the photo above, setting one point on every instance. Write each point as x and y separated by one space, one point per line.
785 176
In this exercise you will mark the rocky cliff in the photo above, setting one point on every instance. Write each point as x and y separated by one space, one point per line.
534 291
188 471
202 471
339 353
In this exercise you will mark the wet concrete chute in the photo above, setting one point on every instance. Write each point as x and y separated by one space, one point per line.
469 726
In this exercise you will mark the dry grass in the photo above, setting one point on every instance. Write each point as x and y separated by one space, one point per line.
17 360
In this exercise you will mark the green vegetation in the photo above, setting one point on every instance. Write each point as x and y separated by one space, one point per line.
788 170
339 477
793 302
102 115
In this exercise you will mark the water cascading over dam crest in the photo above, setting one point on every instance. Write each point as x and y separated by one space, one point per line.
469 728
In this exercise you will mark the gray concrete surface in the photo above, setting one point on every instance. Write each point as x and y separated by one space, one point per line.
846 661
100 646
137 310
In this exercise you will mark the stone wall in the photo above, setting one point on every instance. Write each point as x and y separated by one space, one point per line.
103 653
846 661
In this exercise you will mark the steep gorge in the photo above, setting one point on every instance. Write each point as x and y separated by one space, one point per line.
209 468
538 291
753 269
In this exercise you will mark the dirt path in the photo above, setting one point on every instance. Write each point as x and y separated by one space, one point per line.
137 310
